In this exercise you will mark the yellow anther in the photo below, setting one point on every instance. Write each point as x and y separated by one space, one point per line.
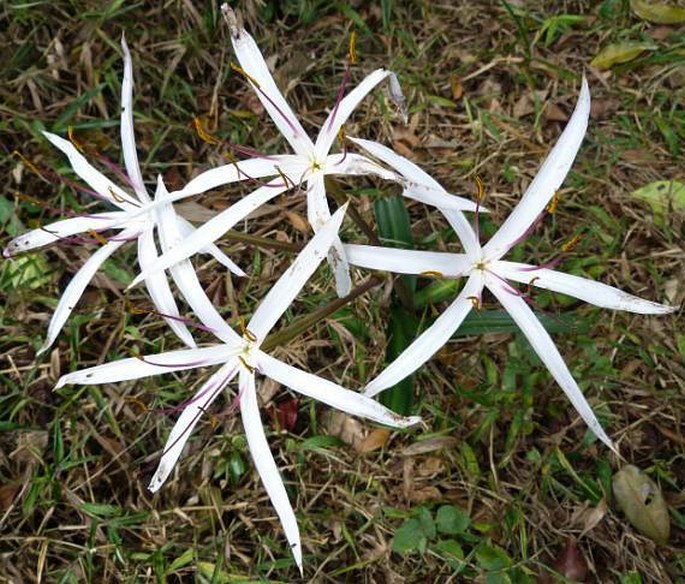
531 284
341 135
73 140
480 189
117 198
95 235
552 206
27 162
239 69
249 335
139 402
352 51
570 245
475 301
432 274
248 367
204 135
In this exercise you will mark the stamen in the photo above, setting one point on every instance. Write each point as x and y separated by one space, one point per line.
552 206
120 199
28 163
248 367
352 50
73 140
139 402
475 301
343 144
432 274
203 134
286 181
238 69
570 245
133 309
95 235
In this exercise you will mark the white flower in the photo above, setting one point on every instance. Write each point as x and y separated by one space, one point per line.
484 268
309 165
243 357
137 218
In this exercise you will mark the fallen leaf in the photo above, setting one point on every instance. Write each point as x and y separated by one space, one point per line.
658 13
430 445
456 87
641 501
617 53
285 412
662 195
376 439
8 493
424 494
297 221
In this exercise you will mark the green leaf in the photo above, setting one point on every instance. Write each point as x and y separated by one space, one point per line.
409 537
183 560
662 195
658 13
617 53
401 332
451 520
641 501
492 558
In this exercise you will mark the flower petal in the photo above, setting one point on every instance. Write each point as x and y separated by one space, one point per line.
582 288
266 465
259 77
430 341
343 110
464 232
190 416
159 289
77 285
546 182
284 291
149 365
128 140
318 214
211 231
544 346
187 229
418 185
242 170
91 176
61 229
351 164
407 261
331 393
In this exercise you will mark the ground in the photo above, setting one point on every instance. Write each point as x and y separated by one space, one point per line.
501 483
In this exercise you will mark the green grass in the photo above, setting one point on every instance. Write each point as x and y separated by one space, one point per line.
501 447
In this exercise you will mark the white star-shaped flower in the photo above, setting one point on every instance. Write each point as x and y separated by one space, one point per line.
484 268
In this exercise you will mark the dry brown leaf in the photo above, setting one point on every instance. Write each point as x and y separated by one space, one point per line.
8 494
456 87
297 221
641 501
430 445
376 439
424 494
431 466
348 429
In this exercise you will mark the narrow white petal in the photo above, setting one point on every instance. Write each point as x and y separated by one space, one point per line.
190 416
266 465
430 341
407 261
462 227
77 285
587 290
187 229
351 164
343 110
159 289
65 228
91 176
212 230
128 139
331 393
337 260
243 170
418 185
149 365
284 291
546 182
252 62
544 346
318 214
